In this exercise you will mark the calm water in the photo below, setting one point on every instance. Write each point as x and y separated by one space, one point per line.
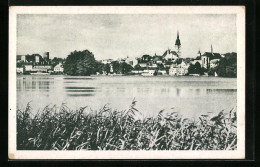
189 96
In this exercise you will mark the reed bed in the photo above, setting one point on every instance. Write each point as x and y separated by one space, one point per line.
60 128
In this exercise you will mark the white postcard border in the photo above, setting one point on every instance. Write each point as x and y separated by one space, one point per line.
236 154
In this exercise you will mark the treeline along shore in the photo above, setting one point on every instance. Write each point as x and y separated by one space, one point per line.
60 128
83 63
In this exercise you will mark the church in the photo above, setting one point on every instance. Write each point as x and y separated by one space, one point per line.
207 57
172 55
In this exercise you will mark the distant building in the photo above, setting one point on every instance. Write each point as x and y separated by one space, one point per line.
157 59
42 68
19 70
170 55
207 57
28 67
148 73
179 69
23 58
173 71
131 61
143 65
145 59
106 61
37 59
58 68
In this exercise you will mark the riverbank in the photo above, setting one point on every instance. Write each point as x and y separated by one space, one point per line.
107 129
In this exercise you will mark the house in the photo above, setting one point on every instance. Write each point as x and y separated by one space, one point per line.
28 67
23 58
148 73
157 59
143 65
19 70
178 71
182 71
42 68
173 71
184 65
59 68
145 59
152 65
131 61
106 61
170 55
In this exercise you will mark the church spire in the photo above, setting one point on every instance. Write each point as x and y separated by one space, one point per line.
178 42
211 49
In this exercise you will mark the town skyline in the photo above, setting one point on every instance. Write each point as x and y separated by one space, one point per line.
111 36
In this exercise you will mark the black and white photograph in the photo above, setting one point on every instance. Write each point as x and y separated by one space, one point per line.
127 82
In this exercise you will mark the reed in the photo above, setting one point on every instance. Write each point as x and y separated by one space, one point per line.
60 128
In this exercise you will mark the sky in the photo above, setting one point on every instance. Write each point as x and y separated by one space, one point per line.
120 35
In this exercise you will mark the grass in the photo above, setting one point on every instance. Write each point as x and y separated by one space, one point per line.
61 128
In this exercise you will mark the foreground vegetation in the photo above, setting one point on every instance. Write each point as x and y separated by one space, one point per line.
61 128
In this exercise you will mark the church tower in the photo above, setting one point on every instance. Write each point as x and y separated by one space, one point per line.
178 44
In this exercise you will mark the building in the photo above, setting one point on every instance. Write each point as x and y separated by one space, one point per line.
23 58
143 65
37 59
28 67
42 68
173 71
19 70
170 55
178 71
145 59
148 73
131 61
157 59
106 61
59 68
207 57
205 60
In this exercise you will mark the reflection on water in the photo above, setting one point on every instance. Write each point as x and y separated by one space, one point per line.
188 95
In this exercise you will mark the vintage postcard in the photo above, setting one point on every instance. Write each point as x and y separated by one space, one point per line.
122 82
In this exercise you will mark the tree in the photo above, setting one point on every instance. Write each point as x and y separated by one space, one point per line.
125 68
160 67
56 61
196 69
116 66
137 67
99 67
80 63
107 68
